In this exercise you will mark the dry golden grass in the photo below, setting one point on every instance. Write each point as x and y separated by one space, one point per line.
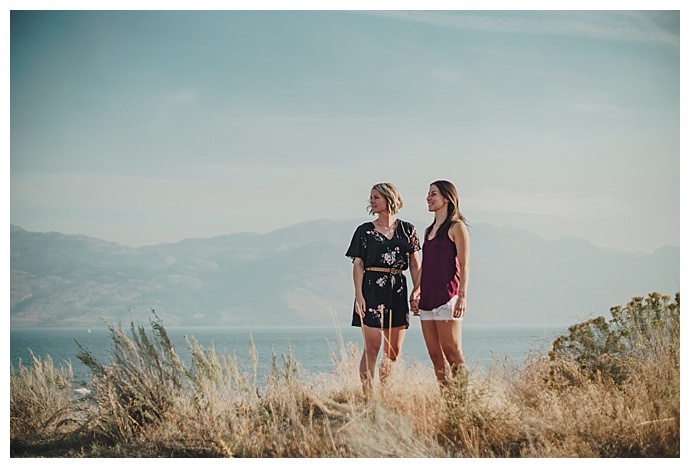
40 398
219 407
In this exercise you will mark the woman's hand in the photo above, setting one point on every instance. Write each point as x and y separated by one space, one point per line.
459 309
358 277
414 301
360 306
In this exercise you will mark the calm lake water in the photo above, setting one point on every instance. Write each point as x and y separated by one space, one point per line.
312 347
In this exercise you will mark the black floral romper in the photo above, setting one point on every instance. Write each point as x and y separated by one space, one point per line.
384 292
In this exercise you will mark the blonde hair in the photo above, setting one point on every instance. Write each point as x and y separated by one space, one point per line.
390 193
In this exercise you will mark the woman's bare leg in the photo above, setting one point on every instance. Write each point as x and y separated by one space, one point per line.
367 365
433 347
392 347
450 340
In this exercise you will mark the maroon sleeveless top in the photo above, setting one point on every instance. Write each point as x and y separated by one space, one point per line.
440 271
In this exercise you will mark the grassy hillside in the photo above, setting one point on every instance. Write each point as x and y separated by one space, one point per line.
609 388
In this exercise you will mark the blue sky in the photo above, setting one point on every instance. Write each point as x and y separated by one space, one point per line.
143 127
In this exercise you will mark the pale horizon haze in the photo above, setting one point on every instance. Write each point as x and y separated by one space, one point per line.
144 127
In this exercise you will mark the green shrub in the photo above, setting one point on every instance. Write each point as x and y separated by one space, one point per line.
643 331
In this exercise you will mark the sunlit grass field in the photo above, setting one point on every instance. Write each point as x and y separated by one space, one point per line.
609 388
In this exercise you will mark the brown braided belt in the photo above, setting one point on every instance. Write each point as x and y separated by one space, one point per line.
394 271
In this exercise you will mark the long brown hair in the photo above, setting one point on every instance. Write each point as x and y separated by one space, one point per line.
450 193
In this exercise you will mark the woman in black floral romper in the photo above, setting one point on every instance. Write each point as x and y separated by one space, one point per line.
381 251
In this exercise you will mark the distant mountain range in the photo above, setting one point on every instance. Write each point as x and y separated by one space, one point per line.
299 276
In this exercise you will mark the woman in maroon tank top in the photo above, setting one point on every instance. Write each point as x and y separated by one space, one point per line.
444 278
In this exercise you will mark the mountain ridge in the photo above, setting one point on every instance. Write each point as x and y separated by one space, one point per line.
299 275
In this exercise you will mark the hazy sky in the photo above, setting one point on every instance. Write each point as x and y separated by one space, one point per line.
146 127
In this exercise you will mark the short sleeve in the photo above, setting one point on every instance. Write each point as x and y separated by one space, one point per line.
357 244
413 238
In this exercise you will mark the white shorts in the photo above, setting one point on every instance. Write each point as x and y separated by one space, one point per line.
444 312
